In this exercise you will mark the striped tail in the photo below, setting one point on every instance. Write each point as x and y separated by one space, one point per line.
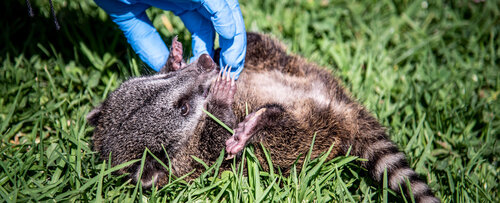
383 154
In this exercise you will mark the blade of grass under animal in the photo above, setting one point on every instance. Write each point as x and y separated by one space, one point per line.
219 121
306 178
138 185
410 192
169 163
385 196
269 161
343 186
93 180
99 183
295 183
221 192
169 167
180 179
254 176
181 194
345 160
239 178
203 190
200 161
317 190
218 163
401 191
308 156
262 196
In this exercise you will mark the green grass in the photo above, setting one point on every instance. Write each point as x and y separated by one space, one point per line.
427 70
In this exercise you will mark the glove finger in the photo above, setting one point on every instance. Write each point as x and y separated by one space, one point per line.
120 9
233 54
233 50
177 7
139 31
221 17
202 33
145 41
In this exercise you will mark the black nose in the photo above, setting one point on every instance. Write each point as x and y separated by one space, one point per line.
206 63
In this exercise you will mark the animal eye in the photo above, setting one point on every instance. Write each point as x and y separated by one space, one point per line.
185 109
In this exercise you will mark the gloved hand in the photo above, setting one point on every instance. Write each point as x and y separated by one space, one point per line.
201 17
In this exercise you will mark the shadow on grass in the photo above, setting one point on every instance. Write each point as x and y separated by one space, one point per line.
84 26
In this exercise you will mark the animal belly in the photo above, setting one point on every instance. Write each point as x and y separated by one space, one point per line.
260 88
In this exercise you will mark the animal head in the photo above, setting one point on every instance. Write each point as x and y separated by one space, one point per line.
162 110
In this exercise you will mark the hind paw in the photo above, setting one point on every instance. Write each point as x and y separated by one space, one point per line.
243 133
175 61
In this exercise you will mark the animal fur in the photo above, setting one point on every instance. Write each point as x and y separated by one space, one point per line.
290 99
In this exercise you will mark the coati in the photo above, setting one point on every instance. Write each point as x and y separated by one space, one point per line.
289 99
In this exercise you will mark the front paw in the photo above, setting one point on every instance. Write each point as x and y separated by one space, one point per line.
223 89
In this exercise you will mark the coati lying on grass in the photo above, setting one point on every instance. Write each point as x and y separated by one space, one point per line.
289 99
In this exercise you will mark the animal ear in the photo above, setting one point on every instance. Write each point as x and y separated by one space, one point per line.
205 62
152 173
94 115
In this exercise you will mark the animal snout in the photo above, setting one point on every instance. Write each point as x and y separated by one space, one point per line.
206 63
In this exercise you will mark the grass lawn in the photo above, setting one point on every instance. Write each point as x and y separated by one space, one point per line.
428 70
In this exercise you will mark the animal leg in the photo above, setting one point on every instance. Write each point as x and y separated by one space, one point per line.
221 98
263 118
174 61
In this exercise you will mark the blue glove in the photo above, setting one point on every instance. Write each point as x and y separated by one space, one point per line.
201 17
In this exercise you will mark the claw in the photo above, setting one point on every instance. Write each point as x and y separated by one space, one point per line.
260 111
228 75
231 156
218 75
224 73
232 80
